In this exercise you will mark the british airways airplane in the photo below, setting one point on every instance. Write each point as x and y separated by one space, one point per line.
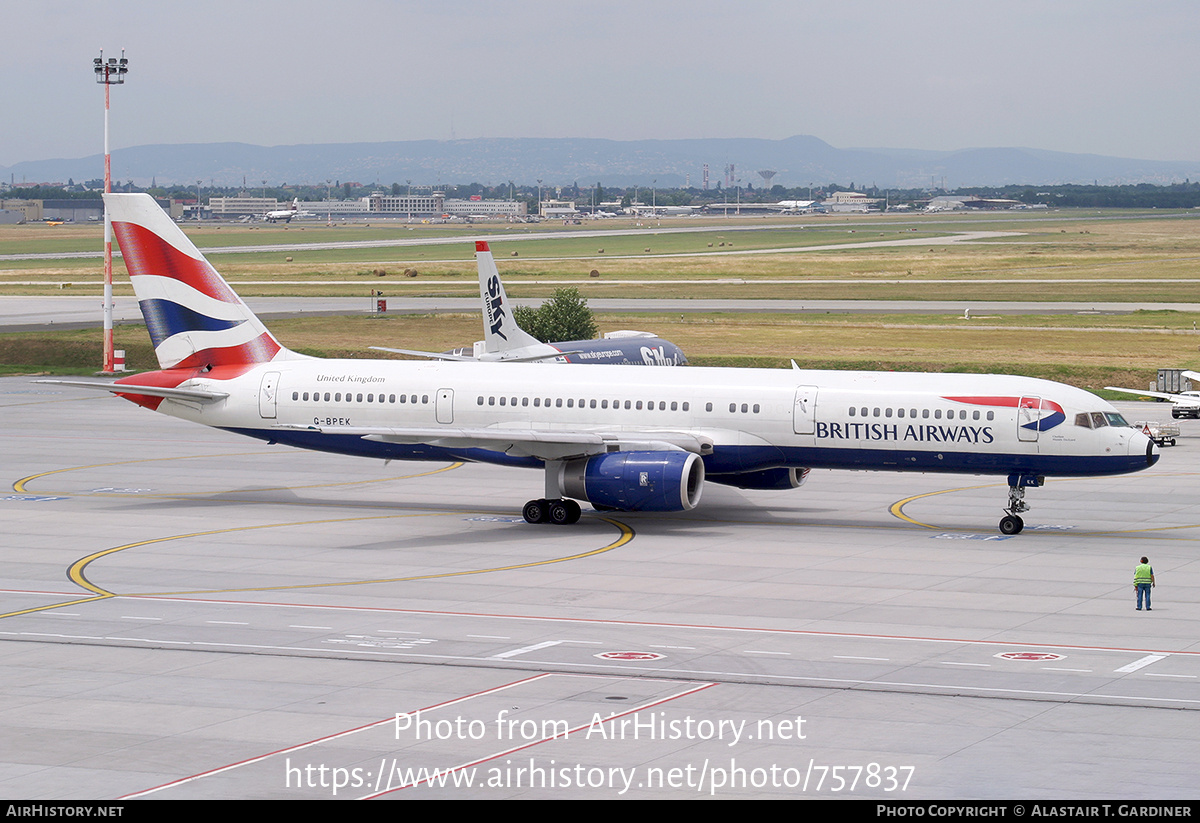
621 438
285 215
506 342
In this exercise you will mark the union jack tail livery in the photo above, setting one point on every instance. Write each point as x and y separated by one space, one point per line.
194 318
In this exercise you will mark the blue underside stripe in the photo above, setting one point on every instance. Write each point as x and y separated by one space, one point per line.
736 459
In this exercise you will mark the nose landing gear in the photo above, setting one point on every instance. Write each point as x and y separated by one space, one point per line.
1012 523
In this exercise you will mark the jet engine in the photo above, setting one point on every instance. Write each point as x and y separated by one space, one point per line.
660 481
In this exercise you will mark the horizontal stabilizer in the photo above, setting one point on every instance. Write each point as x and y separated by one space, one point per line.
202 395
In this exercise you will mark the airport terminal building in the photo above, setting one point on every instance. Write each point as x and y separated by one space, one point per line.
436 204
375 205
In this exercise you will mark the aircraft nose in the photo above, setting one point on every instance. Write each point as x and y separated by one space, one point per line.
1136 447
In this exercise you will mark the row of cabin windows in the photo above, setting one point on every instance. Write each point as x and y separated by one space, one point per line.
336 397
582 403
925 414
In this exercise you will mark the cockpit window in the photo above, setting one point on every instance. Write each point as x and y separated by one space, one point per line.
1099 420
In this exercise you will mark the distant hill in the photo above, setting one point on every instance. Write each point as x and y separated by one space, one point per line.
799 161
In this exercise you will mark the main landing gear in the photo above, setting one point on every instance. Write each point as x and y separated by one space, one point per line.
562 512
1012 523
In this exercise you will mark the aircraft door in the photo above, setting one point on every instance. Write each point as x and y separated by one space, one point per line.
445 406
804 410
268 393
1028 412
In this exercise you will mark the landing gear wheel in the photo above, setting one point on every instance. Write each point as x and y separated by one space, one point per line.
536 511
576 512
564 512
1011 524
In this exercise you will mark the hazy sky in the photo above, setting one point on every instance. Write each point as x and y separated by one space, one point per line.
1098 76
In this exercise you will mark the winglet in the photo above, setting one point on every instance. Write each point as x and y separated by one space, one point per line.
481 245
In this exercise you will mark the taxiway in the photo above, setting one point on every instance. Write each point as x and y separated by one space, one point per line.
185 613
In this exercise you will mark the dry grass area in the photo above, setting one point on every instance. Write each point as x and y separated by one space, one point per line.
1088 357
1124 251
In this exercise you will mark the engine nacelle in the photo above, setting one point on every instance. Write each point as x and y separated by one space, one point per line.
663 481
764 480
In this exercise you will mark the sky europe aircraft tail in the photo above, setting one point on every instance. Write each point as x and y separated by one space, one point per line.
506 342
500 332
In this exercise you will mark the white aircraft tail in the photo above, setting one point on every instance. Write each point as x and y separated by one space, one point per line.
194 318
500 332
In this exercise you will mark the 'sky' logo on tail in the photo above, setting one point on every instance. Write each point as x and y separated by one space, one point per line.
495 307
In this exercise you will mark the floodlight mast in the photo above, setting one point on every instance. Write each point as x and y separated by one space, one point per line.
111 73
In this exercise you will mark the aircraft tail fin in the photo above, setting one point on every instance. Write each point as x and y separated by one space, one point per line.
500 332
194 318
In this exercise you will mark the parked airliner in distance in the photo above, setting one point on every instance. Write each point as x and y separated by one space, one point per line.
621 438
1183 404
285 215
506 342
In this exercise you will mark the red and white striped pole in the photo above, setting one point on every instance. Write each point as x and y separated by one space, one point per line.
111 73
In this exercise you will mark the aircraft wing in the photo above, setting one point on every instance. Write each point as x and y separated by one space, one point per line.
202 395
544 444
1178 399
